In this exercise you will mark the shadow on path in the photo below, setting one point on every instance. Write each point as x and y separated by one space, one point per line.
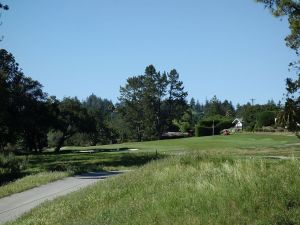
98 175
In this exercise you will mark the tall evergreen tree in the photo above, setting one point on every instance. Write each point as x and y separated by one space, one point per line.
193 104
101 111
150 102
155 90
290 117
228 109
176 101
146 99
131 106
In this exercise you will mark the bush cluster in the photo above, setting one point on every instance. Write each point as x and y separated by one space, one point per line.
205 127
11 167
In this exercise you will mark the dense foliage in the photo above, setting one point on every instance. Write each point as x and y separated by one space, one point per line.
27 114
150 102
23 109
11 167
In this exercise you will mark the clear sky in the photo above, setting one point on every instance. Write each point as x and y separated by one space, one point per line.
233 49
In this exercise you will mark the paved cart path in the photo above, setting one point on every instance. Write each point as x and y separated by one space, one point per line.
14 206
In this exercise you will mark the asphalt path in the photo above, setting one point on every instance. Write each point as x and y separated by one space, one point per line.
14 206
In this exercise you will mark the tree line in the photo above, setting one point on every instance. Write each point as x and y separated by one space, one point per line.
33 120
149 105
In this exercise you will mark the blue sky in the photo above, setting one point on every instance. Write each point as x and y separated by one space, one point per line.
233 49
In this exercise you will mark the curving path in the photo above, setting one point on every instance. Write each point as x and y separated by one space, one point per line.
14 206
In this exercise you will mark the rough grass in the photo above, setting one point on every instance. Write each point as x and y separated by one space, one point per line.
78 162
47 168
186 189
30 181
119 157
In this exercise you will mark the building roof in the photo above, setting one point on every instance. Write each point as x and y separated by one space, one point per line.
238 120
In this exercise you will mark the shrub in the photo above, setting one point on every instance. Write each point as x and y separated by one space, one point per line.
265 119
268 129
53 137
79 139
61 166
249 126
280 129
204 128
11 167
224 124
205 131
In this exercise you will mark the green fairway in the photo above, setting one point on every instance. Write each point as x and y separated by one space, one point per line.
240 144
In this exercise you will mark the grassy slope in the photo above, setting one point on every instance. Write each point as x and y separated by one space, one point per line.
30 181
107 158
186 189
50 167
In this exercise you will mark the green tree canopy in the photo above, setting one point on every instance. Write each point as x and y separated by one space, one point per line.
24 106
151 101
101 111
72 118
290 117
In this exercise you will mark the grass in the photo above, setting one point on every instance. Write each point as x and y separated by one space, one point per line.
85 162
30 181
49 167
237 145
119 157
195 188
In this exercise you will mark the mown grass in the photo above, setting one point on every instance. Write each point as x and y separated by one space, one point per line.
238 145
186 189
30 181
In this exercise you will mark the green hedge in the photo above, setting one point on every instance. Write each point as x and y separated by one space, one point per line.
225 124
205 127
205 131
266 118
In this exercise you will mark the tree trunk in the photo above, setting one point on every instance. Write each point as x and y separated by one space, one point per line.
158 126
60 143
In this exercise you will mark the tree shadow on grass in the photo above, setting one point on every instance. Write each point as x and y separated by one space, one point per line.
86 151
98 175
139 159
80 163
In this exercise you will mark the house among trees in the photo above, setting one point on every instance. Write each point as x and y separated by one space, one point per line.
238 123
